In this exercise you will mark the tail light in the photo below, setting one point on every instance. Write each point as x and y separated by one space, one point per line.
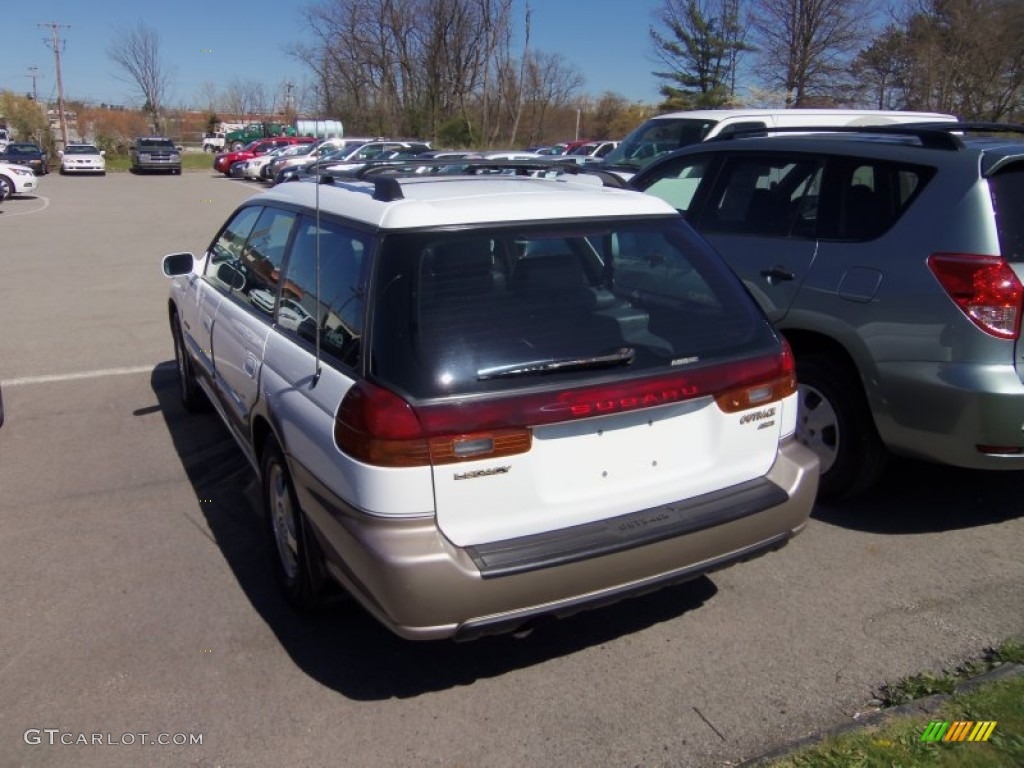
376 426
984 287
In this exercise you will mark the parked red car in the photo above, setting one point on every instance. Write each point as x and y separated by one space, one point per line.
222 161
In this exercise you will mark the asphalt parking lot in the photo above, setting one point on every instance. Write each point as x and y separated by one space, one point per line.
137 598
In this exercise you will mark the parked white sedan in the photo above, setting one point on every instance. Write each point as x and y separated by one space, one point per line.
16 180
82 158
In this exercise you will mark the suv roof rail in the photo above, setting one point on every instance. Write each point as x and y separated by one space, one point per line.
933 135
480 166
385 188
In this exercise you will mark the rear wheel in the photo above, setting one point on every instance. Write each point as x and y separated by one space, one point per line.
834 421
236 145
297 559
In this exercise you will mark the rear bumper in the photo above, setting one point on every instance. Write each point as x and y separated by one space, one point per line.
943 412
408 575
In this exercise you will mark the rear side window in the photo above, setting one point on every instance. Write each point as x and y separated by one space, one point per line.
487 311
866 197
337 304
1008 201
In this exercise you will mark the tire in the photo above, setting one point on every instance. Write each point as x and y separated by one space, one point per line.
298 563
834 421
6 188
236 145
192 397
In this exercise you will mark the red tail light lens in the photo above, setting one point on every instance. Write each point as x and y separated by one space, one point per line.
378 427
985 288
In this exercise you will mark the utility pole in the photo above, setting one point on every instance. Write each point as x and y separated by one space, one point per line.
32 73
54 27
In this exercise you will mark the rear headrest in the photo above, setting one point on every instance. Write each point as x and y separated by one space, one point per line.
558 272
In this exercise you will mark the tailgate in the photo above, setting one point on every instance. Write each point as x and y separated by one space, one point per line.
592 469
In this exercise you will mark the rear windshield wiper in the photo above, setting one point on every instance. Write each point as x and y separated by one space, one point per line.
623 356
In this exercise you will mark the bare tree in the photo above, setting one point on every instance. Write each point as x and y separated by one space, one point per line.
805 46
963 56
136 50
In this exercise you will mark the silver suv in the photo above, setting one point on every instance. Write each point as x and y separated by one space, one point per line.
473 401
892 259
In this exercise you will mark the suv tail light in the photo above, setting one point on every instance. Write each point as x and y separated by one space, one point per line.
376 426
984 287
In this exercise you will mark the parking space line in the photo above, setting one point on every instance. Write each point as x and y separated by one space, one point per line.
97 374
8 213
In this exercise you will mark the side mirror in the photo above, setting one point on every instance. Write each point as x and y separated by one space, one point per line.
176 264
179 148
103 153
60 153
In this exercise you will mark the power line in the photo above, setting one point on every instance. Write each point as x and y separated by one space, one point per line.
54 27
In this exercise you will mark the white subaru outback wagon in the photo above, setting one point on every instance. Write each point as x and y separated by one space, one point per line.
476 401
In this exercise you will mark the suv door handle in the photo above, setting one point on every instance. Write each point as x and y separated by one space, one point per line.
777 274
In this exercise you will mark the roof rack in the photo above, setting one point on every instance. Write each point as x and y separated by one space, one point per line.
410 167
385 188
933 135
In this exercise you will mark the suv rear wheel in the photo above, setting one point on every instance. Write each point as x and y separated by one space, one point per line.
297 559
835 422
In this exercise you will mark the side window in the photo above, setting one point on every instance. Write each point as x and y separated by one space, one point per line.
254 277
679 182
227 248
764 196
339 307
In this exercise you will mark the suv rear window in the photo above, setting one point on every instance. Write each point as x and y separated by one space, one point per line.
1008 200
505 307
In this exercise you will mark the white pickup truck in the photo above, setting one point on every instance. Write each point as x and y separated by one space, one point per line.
213 142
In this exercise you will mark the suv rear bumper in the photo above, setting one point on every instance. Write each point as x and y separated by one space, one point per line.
408 575
943 412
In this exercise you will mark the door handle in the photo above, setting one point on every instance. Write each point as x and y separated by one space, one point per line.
777 274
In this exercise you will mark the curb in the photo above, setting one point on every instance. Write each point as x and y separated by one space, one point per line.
925 705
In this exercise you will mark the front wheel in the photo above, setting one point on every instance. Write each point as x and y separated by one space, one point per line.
834 421
297 559
6 188
192 397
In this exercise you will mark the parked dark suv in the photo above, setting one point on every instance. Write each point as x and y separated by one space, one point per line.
155 153
892 259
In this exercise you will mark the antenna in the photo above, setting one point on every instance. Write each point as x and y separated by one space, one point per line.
318 370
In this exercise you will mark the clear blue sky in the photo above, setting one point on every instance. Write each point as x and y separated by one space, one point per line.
606 40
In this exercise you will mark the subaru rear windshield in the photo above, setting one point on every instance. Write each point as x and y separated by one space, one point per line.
1008 200
656 137
478 311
